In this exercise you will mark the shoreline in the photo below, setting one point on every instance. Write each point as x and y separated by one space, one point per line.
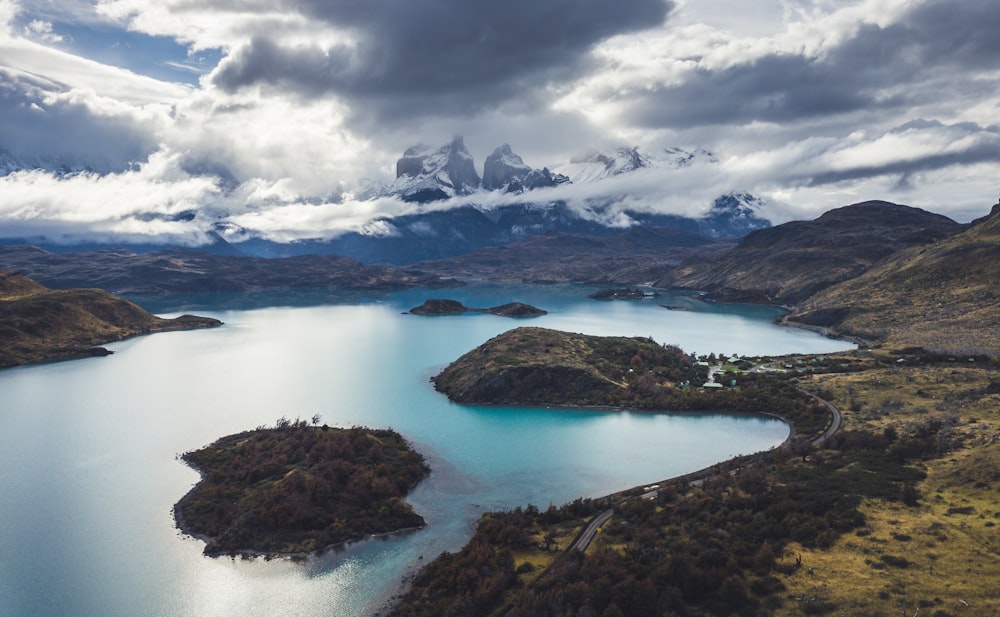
191 322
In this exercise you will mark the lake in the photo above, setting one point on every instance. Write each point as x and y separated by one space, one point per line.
88 448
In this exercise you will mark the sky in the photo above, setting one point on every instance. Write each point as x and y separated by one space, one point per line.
269 118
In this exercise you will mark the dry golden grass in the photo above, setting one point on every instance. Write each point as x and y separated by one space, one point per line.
941 557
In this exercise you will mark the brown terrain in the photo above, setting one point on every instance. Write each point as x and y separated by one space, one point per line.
39 324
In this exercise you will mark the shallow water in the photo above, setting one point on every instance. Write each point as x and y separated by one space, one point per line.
88 468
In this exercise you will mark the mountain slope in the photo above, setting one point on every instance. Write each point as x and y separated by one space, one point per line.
943 296
787 263
38 324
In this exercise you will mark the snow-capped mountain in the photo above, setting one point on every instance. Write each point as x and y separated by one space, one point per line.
424 175
596 166
57 165
503 170
733 214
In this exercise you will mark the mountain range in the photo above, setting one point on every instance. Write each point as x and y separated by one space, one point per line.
433 229
425 175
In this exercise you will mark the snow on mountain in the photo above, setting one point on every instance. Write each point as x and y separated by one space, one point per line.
733 214
506 171
423 175
595 166
501 167
58 165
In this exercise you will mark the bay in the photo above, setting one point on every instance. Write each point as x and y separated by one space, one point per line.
88 448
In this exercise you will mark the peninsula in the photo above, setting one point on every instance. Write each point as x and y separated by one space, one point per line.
38 324
539 366
299 488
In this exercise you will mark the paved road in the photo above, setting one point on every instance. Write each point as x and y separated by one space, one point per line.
836 421
585 538
588 534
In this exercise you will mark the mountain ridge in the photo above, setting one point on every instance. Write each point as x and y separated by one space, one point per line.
942 296
787 263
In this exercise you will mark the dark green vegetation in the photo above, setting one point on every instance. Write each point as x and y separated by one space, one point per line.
788 263
541 366
713 549
39 324
437 306
942 296
122 271
298 488
896 513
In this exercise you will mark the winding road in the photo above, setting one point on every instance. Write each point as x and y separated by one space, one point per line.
590 532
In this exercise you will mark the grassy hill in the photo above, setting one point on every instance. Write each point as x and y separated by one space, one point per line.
537 365
790 262
38 324
943 296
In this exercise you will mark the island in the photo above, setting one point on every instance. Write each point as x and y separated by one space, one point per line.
38 324
299 488
439 306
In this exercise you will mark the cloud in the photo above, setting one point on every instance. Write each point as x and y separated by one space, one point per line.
873 68
40 120
439 56
140 205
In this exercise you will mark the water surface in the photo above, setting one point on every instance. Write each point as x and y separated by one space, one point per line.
88 467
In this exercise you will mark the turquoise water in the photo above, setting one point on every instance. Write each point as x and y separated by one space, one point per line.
88 468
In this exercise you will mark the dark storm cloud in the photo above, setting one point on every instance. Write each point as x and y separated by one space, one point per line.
42 129
877 69
461 54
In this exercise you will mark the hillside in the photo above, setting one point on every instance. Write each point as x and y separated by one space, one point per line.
787 263
38 324
536 365
943 296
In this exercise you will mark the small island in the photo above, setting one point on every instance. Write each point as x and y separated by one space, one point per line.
299 488
437 306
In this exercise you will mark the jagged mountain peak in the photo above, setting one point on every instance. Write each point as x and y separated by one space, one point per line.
507 171
424 175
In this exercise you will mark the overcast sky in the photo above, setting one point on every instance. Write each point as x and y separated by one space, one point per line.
269 115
